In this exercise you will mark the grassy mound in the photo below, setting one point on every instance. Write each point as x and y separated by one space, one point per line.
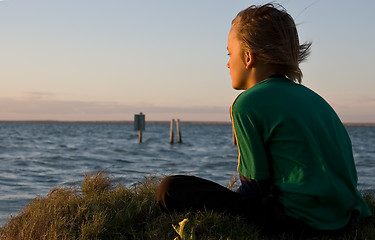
100 210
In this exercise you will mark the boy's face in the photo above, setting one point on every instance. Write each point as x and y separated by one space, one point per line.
236 63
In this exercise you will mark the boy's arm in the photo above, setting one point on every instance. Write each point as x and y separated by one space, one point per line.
254 187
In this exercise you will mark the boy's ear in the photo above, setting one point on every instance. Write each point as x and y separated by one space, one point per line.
249 59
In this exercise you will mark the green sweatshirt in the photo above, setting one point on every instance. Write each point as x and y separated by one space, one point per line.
288 133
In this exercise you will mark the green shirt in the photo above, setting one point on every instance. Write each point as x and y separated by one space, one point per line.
288 133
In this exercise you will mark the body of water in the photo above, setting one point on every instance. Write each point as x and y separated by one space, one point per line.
37 156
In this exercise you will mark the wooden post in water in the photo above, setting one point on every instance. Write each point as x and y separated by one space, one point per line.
171 133
139 124
140 136
178 131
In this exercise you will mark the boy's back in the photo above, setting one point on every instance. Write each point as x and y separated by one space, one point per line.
290 134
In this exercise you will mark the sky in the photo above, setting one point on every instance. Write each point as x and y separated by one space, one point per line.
91 60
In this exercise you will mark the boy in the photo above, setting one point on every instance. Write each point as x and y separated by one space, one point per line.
295 158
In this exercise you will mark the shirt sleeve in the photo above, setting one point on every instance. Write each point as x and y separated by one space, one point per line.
253 162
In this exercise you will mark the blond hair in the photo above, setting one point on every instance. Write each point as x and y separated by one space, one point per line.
270 33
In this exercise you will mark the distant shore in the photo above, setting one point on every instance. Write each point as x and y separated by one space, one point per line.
369 124
124 121
355 124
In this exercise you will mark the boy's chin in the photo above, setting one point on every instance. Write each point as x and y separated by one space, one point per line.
237 87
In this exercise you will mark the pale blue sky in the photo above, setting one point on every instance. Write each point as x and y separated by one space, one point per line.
109 59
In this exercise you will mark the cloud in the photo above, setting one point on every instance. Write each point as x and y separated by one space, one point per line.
39 95
353 107
37 108
43 106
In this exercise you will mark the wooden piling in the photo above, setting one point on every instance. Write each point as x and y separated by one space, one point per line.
171 132
178 131
140 136
139 124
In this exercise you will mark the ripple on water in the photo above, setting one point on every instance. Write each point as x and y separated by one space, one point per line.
37 156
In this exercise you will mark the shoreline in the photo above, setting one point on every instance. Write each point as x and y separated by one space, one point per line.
348 124
119 122
97 210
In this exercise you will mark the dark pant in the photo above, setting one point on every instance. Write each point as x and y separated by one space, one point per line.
181 193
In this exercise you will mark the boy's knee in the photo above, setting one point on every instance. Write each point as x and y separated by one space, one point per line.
163 186
170 193
164 192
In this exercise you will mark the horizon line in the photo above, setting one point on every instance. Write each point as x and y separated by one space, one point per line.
364 124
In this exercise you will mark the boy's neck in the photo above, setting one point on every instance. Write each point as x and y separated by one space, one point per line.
261 72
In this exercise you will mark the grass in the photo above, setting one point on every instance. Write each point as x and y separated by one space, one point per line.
100 210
